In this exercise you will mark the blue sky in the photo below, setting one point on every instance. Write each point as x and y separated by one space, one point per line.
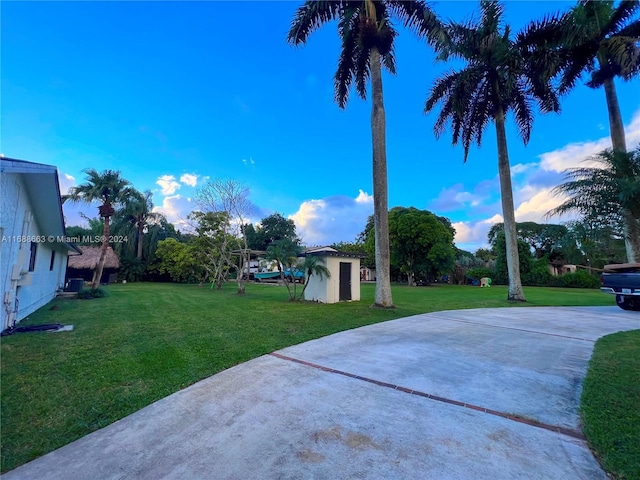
175 93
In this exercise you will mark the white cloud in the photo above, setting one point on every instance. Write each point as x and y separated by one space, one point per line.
332 219
574 154
176 208
190 179
364 197
533 185
474 233
251 161
536 207
168 184
66 181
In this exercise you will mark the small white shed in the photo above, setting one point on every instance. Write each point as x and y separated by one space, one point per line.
344 283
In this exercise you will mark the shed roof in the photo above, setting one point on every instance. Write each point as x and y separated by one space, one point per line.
331 252
90 257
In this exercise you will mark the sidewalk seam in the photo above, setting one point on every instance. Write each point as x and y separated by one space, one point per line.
516 418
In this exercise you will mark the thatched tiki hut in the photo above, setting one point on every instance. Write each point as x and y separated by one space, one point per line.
85 266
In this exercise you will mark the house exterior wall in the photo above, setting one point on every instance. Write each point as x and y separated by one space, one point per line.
327 290
25 291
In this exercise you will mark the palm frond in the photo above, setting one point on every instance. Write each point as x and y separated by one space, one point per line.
522 111
418 17
310 17
620 15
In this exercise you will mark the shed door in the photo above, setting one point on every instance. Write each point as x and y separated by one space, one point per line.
345 281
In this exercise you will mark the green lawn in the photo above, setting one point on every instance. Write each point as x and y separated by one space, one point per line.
611 404
146 341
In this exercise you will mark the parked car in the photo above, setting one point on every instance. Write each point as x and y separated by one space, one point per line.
623 281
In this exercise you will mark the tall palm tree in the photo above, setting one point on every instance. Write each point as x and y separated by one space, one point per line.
604 41
137 215
606 192
501 75
110 189
367 34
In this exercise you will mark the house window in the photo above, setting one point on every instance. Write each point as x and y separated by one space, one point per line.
32 258
53 259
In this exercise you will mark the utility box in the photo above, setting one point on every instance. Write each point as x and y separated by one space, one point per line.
75 284
344 283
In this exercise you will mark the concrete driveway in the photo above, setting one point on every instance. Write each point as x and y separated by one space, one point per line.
467 394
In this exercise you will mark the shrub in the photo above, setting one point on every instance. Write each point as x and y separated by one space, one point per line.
539 275
88 294
480 272
131 269
579 279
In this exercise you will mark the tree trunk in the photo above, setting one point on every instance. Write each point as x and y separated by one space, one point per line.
140 241
631 236
506 194
103 255
616 127
380 203
240 277
619 144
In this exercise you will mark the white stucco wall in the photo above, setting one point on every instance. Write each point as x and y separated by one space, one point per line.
17 219
327 290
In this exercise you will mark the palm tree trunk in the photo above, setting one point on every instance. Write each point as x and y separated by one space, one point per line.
506 193
140 240
615 117
103 255
618 142
631 228
380 202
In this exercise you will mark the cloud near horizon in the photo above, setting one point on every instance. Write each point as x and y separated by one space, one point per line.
176 208
533 185
332 219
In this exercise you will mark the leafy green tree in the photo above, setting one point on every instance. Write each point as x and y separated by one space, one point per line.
500 75
421 244
485 255
353 247
271 229
214 245
607 194
111 190
367 35
179 261
544 238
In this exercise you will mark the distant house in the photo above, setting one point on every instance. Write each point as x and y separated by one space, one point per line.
33 256
84 266
344 283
